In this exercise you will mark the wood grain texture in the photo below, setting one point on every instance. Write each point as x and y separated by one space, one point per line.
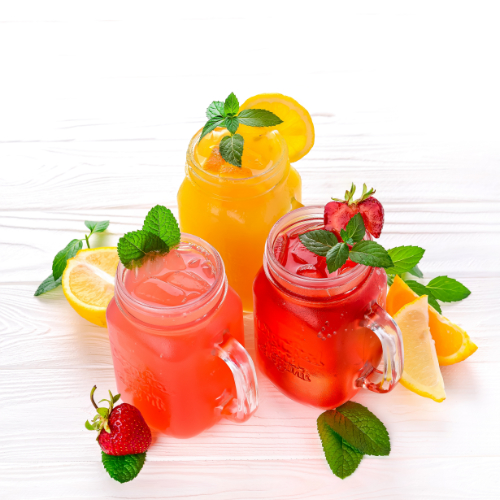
98 103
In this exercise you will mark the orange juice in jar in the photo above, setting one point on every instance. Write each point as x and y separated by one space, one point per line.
234 207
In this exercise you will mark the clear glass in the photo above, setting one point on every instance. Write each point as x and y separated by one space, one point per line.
235 215
321 340
183 366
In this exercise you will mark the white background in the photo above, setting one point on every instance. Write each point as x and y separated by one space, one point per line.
98 102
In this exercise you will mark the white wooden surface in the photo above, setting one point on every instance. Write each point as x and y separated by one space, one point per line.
98 102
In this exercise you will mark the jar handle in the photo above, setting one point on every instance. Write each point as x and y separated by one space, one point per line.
389 334
241 365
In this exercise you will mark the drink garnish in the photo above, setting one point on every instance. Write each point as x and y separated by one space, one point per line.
159 234
228 115
346 223
125 439
348 433
68 252
349 244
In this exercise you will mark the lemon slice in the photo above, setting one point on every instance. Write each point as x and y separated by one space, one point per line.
452 343
297 128
89 282
421 372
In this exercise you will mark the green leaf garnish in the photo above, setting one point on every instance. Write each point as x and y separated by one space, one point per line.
349 432
123 468
232 123
135 245
447 289
97 226
48 284
420 290
416 272
360 428
404 258
68 252
337 257
60 260
320 240
342 458
225 114
354 231
211 125
231 105
231 149
259 118
370 253
162 222
215 109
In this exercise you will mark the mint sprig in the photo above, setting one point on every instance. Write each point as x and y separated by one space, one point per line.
368 253
348 433
68 252
123 468
159 234
225 114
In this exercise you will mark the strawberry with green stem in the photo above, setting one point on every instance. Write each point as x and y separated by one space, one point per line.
123 436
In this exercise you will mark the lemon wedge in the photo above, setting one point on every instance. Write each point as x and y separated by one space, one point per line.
89 282
421 372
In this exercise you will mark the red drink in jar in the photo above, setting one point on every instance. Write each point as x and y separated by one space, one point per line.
320 337
176 334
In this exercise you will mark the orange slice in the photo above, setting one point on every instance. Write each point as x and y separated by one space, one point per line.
297 128
421 372
89 282
452 343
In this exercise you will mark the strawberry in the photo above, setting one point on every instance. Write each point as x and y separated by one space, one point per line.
339 212
126 432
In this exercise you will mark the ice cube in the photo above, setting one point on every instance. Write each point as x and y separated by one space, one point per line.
311 271
160 292
194 263
188 281
280 248
173 261
208 269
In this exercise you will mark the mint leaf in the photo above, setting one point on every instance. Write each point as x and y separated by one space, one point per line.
97 226
231 105
259 118
231 149
60 260
136 244
337 256
211 125
215 109
416 272
360 428
342 458
390 279
420 290
318 242
48 284
231 123
162 222
447 289
370 253
354 231
123 468
404 258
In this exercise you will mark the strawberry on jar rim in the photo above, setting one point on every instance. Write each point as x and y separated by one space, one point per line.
339 212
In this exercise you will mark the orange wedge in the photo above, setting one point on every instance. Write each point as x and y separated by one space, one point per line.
89 282
452 343
421 372
297 128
